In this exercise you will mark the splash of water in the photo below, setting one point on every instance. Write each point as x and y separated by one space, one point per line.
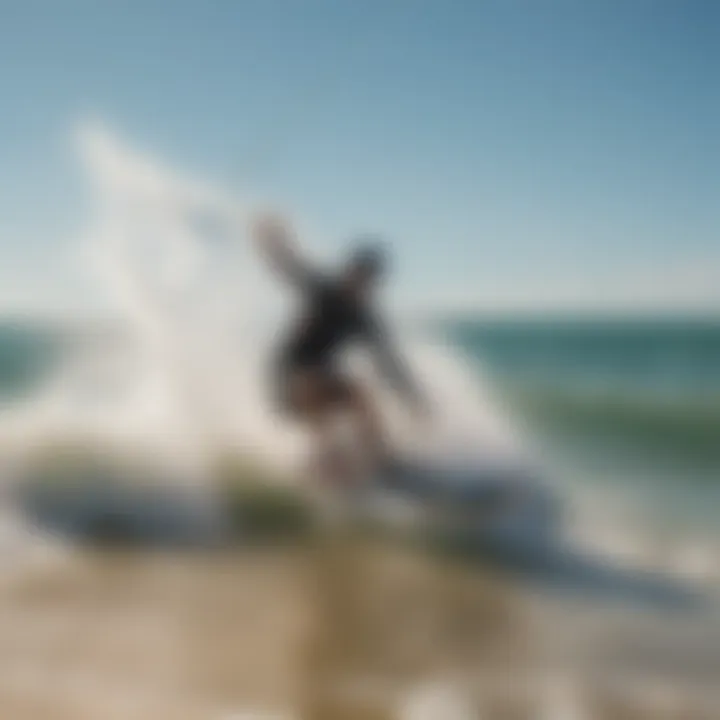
184 371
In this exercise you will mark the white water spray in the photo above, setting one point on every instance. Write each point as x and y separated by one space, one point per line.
185 371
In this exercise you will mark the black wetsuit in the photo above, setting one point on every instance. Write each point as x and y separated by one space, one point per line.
332 319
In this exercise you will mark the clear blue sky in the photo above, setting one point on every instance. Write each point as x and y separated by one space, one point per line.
503 144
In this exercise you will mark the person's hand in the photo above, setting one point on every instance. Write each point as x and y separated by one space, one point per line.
269 228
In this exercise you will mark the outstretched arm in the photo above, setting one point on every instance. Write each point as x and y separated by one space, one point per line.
392 365
276 244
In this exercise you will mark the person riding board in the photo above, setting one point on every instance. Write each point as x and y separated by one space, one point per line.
338 310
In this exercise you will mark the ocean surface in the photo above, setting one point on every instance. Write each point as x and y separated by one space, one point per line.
625 411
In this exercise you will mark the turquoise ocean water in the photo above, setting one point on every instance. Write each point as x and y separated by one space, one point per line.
626 408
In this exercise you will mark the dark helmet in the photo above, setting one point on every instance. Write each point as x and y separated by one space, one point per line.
369 257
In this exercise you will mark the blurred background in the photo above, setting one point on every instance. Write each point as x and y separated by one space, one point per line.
546 174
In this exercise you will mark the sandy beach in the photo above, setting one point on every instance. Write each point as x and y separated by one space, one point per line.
343 629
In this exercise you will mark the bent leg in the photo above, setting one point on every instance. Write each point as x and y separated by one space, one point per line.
313 401
368 424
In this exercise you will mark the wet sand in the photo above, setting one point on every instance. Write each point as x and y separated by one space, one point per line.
345 629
